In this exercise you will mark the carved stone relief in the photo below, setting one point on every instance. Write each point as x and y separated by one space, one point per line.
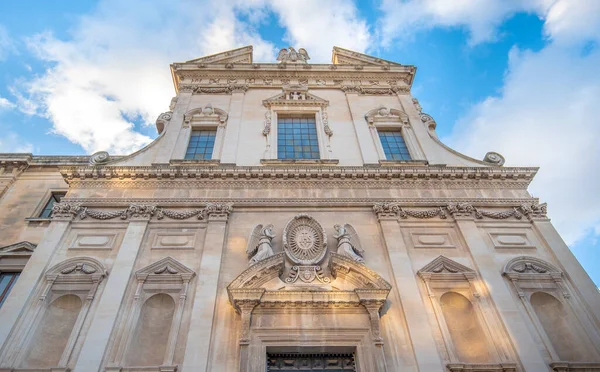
304 240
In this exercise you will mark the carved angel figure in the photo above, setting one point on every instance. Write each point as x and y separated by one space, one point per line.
292 56
348 242
259 244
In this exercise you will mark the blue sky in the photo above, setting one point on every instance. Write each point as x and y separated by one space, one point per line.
520 77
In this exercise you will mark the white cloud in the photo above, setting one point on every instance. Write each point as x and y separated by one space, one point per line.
318 25
115 68
7 45
5 104
564 19
546 116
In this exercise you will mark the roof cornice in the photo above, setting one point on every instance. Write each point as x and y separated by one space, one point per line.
167 172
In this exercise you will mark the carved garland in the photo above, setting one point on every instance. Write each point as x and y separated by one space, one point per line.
70 210
529 210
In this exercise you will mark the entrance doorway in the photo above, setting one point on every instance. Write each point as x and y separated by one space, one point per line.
314 362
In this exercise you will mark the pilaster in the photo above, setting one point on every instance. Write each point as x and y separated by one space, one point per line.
365 142
197 350
523 341
234 124
94 347
419 328
37 265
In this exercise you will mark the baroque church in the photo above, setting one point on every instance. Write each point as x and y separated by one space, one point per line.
289 216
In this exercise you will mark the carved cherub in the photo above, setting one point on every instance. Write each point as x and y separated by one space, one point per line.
259 244
348 242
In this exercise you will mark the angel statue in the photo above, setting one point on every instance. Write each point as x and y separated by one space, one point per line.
259 244
290 55
348 242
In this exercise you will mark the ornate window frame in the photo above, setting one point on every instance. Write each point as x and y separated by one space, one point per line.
386 118
79 276
205 118
529 275
166 276
296 100
444 275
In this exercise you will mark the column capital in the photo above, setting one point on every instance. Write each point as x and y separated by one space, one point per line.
65 211
141 212
218 211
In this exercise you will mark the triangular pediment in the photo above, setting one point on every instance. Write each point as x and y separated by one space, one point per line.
341 56
166 267
295 95
444 265
23 247
239 55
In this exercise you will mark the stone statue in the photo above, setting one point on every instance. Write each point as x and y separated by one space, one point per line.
290 55
259 244
348 242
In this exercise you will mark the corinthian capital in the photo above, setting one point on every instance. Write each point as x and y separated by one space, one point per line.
65 210
218 210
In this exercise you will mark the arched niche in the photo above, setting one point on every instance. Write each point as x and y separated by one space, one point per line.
472 339
464 328
151 335
149 329
49 329
53 332
561 321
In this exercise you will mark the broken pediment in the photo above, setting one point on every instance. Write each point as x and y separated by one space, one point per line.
167 269
445 268
295 95
341 56
239 55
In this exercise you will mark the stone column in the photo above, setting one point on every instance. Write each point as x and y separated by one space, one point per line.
419 328
365 140
197 349
36 267
105 316
234 124
523 341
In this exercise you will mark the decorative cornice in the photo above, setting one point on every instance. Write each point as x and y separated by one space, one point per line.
253 173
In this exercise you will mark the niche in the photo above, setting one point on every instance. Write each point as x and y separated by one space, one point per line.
49 329
53 332
466 332
149 330
149 343
554 320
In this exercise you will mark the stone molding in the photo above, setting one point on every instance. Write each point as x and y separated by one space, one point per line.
138 211
524 269
561 366
246 292
392 210
167 276
481 367
251 173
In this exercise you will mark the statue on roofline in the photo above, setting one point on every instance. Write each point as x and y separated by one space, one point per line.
290 55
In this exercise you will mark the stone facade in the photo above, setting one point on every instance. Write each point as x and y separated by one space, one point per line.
348 262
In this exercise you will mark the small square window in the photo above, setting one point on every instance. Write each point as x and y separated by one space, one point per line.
393 145
55 197
202 143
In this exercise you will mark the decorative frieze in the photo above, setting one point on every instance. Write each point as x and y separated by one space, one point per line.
460 210
144 211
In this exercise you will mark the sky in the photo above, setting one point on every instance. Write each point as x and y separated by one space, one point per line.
520 77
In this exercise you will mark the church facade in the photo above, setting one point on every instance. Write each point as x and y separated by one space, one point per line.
289 216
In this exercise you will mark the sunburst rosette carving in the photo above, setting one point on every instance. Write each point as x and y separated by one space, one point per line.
304 240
